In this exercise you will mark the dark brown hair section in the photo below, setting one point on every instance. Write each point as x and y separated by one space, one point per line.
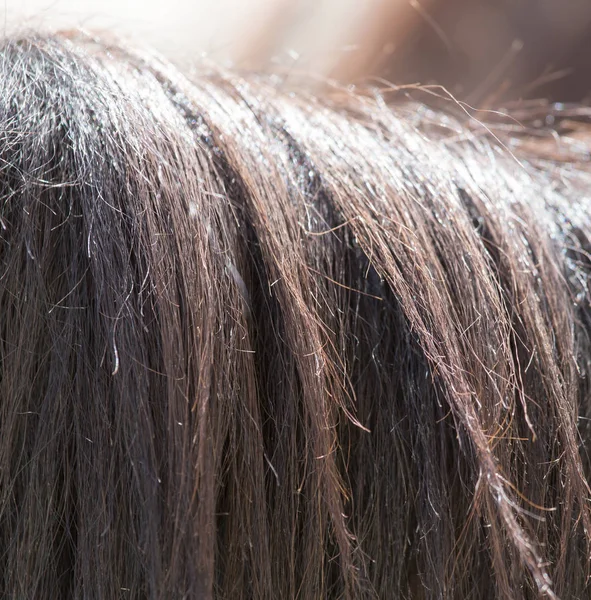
256 344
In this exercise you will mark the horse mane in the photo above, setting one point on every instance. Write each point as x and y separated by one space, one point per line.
260 343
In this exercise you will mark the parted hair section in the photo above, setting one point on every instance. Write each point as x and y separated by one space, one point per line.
256 343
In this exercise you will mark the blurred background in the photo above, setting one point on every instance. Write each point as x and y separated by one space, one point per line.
483 51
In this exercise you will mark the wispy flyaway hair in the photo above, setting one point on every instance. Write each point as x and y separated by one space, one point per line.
257 344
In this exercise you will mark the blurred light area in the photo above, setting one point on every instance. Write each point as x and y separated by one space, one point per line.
309 35
180 28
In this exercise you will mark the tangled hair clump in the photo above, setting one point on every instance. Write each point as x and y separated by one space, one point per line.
256 344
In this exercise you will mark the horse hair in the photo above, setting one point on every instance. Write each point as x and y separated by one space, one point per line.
261 343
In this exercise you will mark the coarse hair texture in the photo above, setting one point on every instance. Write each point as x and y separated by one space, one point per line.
260 344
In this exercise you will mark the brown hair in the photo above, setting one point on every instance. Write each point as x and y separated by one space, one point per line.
257 344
